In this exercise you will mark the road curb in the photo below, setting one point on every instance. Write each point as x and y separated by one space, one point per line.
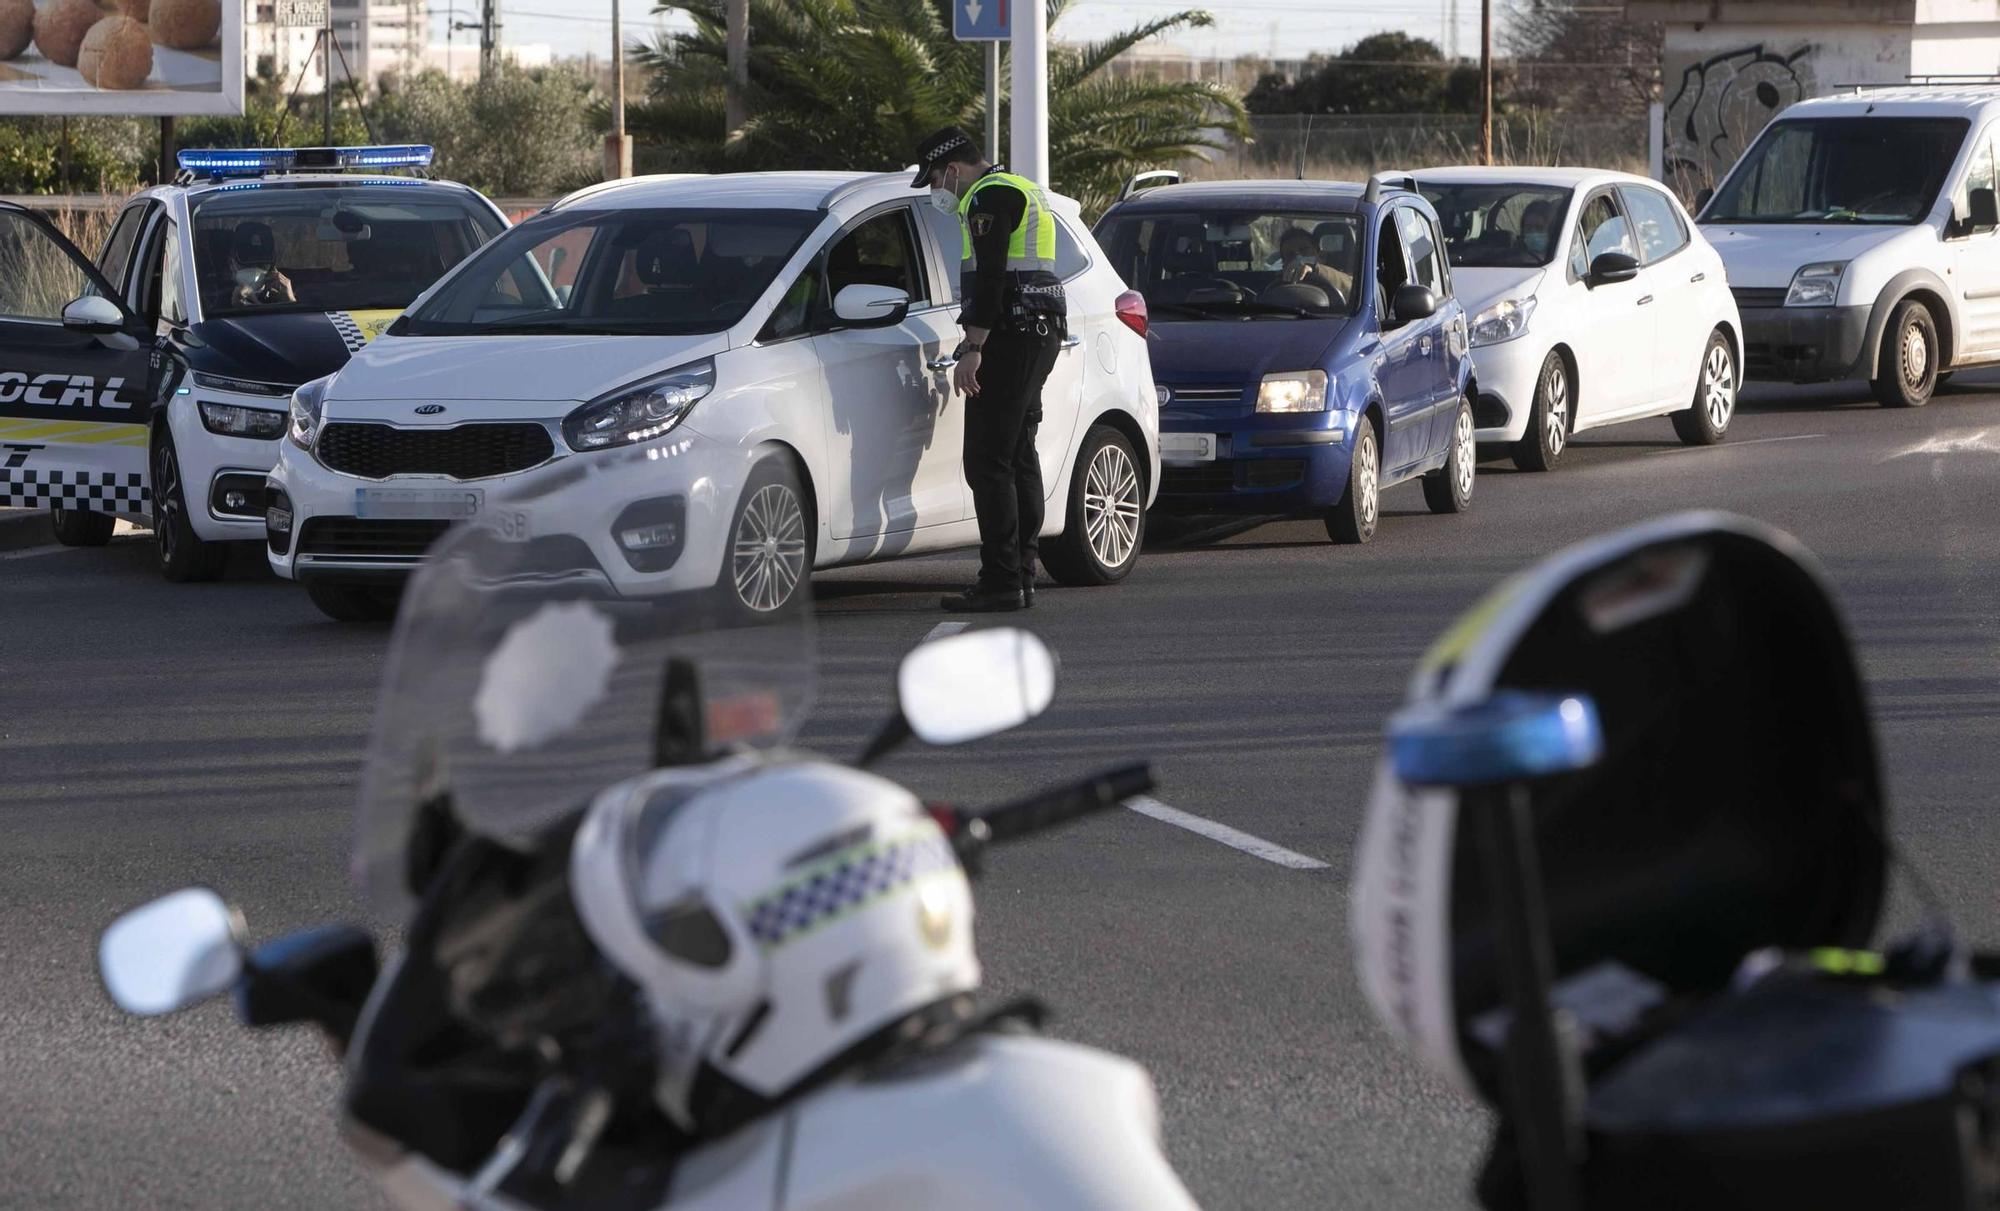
25 528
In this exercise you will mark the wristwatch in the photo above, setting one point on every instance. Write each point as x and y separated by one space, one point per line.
965 347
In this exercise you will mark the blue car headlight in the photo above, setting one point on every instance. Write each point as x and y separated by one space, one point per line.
1293 391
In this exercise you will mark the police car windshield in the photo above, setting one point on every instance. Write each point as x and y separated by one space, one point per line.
1237 264
1499 226
653 272
1841 170
275 248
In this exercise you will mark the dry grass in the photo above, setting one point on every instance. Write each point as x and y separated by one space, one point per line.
36 279
1351 148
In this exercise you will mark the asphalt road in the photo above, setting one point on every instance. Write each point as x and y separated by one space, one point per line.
155 736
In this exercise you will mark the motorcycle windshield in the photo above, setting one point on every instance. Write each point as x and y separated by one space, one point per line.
534 663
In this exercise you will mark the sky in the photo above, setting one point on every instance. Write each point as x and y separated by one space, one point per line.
1294 28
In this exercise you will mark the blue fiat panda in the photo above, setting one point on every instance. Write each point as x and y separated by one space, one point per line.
1307 347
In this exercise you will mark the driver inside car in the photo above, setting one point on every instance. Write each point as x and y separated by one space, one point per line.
1299 264
253 265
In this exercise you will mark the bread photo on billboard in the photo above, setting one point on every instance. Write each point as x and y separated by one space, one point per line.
17 27
116 53
138 10
184 24
60 27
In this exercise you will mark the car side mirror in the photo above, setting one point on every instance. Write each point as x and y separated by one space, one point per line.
95 314
1985 209
1613 267
865 306
1411 303
177 951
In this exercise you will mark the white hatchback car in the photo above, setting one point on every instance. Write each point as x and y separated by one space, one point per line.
777 344
1623 312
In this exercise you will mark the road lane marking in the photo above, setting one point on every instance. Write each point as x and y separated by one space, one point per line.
945 628
30 552
1256 847
1961 441
1755 441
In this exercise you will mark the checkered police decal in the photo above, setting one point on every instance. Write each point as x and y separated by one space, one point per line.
350 332
98 491
845 882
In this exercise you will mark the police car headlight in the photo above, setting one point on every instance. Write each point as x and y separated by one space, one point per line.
307 402
241 386
228 420
1301 391
640 412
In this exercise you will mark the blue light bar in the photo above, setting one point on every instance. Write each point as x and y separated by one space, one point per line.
1512 736
257 161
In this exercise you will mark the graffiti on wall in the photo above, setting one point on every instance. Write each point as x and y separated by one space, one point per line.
1720 103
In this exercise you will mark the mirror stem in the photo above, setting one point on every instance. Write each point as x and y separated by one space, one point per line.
893 735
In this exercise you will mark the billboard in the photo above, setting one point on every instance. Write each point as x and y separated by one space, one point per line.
132 57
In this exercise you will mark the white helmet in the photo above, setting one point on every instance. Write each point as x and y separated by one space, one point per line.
775 916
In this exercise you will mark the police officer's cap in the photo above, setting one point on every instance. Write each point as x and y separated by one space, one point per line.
945 146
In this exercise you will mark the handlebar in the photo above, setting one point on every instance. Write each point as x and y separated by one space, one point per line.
972 831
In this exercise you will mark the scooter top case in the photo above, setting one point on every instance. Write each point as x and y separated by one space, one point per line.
1737 807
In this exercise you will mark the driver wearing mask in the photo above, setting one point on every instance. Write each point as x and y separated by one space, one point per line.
1535 234
253 264
1299 263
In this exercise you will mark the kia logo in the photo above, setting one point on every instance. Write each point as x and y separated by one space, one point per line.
430 409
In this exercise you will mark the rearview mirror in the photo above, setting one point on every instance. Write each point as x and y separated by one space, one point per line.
1985 209
179 950
976 684
1613 267
1412 303
865 306
93 313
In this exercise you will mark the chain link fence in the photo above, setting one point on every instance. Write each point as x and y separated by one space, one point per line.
1346 147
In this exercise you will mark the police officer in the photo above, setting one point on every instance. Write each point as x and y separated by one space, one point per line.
1014 317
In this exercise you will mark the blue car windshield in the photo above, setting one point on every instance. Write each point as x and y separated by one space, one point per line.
1237 264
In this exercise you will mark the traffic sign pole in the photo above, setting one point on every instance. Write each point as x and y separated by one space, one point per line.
993 102
1028 140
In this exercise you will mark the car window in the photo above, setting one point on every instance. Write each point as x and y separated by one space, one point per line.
172 309
117 251
1233 260
1978 175
1422 243
1602 228
37 277
1391 269
1660 232
1503 225
1071 259
881 251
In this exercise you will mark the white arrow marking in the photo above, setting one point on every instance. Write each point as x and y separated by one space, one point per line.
972 9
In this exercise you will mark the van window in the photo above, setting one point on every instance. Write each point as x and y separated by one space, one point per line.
1841 170
1978 176
1658 224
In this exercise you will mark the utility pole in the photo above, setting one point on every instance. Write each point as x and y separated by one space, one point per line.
736 107
489 38
1486 81
617 148
1028 138
326 63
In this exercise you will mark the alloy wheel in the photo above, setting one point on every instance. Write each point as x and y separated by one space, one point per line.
1364 458
1719 387
770 550
1555 389
1111 506
1464 458
167 498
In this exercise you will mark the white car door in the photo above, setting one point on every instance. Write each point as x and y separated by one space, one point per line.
894 433
1679 279
1615 365
1975 252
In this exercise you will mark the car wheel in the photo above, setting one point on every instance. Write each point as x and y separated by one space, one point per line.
1352 518
354 602
184 557
1107 514
1908 372
1449 488
1541 448
769 557
1704 421
82 527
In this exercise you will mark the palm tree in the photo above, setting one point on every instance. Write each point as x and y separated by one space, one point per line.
853 84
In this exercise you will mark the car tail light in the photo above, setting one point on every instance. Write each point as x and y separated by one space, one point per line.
1132 309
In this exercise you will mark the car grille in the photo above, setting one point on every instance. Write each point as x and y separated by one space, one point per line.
1759 296
1227 475
462 452
1232 394
364 538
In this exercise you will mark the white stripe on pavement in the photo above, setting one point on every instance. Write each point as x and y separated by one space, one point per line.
30 552
1737 445
945 628
1256 847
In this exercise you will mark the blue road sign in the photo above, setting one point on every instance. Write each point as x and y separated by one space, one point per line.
982 20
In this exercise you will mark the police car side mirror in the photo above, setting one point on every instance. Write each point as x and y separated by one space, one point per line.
93 313
865 306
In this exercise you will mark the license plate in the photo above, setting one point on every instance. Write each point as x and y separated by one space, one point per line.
1187 447
509 524
424 504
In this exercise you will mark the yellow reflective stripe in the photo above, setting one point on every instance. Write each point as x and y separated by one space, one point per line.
22 429
111 435
1035 214
1835 961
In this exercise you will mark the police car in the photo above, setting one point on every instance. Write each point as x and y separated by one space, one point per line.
154 383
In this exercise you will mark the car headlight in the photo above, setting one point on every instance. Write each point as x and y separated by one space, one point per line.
230 420
640 412
307 403
1297 391
1503 321
242 386
1816 285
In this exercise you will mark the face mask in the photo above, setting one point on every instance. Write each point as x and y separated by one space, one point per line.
944 197
1299 260
1536 242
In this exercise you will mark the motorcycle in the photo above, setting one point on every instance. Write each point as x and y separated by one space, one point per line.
1625 856
655 955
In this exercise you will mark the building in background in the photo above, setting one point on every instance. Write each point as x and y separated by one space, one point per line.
285 53
459 58
381 36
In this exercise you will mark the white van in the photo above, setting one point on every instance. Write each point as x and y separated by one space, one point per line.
1862 239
